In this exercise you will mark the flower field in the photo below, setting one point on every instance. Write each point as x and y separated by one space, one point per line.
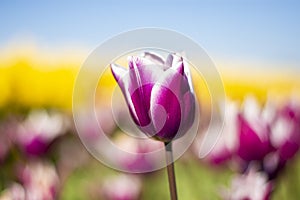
42 157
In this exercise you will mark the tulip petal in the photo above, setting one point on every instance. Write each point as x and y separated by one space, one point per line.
178 66
142 73
163 97
169 61
155 58
173 60
188 75
188 111
169 93
122 77
142 78
117 71
174 79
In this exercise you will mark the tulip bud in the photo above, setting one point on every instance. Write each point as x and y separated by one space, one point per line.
159 94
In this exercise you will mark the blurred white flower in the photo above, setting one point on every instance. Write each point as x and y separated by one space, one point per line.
14 192
122 187
40 181
251 186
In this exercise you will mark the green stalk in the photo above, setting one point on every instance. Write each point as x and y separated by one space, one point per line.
171 171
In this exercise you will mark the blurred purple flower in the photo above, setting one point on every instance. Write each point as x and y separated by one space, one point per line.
250 186
40 180
37 132
253 132
159 94
285 137
122 187
267 136
291 109
272 165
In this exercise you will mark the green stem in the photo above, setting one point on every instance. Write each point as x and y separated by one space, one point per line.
171 172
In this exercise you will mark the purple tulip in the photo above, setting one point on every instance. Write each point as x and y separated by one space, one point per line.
285 135
267 137
254 142
38 131
159 94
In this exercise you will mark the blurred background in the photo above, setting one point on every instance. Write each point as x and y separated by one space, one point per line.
255 46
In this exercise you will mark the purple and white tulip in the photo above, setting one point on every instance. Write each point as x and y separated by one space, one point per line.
268 136
254 132
159 94
285 138
36 133
285 135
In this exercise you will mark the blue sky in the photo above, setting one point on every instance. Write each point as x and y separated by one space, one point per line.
252 30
